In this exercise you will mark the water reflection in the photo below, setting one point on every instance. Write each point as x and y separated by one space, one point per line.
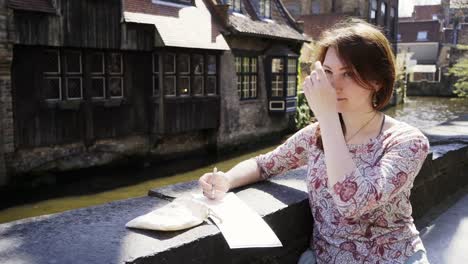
425 112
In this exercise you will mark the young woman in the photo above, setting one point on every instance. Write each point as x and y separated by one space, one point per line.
361 164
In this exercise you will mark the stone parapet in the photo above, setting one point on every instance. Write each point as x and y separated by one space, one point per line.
98 234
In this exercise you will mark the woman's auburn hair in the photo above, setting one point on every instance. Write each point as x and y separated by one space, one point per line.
365 50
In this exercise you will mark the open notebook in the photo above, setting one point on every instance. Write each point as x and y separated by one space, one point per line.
241 226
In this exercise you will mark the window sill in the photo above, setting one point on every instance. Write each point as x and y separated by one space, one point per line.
167 3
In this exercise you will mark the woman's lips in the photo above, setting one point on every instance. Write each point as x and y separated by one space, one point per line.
341 99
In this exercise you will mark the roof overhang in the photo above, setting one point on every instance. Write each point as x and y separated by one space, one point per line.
192 28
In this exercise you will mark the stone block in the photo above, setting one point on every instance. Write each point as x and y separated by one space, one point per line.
417 201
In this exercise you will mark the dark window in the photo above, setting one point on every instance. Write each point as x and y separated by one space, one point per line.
115 75
265 8
392 22
98 78
183 70
247 76
198 69
52 88
373 12
186 74
156 90
384 15
52 62
211 75
73 75
102 79
169 74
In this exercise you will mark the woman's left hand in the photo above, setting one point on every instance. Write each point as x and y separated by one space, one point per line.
320 94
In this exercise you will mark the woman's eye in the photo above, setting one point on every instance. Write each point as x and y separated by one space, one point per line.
328 72
347 74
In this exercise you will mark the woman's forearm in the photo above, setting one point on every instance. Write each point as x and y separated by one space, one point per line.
337 157
244 173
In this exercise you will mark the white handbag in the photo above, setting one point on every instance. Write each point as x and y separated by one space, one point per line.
182 213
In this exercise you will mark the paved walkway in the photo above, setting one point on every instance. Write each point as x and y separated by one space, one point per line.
446 237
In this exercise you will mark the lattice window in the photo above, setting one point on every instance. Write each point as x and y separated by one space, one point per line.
265 8
246 69
52 80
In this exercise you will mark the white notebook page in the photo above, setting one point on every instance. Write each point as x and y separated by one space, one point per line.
241 226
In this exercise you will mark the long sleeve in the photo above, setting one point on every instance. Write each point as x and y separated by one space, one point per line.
374 185
293 153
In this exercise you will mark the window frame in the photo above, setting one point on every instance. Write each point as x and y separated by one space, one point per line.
285 74
246 77
374 9
273 74
422 39
53 75
384 13
232 5
85 75
392 26
115 75
263 9
67 75
205 75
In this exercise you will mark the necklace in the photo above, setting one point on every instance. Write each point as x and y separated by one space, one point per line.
359 130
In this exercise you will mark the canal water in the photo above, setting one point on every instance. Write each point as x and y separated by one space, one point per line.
99 186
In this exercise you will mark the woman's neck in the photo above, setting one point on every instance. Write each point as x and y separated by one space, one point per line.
356 120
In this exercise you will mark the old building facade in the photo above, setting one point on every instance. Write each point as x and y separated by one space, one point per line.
95 82
320 14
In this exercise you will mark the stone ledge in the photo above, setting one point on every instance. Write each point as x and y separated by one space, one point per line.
98 234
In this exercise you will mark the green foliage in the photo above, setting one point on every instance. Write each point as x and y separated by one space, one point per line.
462 47
460 72
303 117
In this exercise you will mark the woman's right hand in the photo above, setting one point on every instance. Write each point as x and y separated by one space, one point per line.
214 187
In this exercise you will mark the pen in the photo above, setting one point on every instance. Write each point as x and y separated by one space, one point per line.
215 170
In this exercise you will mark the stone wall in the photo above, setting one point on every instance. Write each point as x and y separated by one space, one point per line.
244 122
426 88
141 150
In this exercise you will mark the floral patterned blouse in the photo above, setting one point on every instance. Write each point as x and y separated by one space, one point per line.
366 217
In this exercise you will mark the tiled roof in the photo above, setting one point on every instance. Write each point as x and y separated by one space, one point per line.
178 26
281 25
269 29
314 25
32 5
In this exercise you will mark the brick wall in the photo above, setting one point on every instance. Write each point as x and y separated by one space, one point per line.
6 113
409 30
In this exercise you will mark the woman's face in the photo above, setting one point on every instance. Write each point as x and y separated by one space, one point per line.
351 97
